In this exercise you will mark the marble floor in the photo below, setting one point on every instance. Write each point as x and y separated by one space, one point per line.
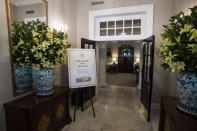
117 109
121 79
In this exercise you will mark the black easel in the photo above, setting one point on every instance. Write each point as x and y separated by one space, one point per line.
76 102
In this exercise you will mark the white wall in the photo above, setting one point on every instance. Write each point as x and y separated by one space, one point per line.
183 5
63 12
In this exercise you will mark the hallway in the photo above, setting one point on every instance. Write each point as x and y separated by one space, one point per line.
117 109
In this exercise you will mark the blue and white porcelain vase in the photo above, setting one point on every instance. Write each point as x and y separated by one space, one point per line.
187 90
44 79
23 78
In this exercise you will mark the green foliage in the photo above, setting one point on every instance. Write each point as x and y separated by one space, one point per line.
35 44
178 48
22 43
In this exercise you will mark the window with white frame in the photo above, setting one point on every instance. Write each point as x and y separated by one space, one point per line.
120 26
124 23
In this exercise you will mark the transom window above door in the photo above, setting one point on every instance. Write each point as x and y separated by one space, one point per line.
120 27
124 23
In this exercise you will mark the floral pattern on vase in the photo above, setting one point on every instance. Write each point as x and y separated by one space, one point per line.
23 78
187 90
44 79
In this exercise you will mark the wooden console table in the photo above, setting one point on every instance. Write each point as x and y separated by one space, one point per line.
172 119
36 113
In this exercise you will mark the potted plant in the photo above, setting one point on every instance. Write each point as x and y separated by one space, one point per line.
48 52
178 51
21 45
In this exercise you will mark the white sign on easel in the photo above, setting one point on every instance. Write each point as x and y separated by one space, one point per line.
82 68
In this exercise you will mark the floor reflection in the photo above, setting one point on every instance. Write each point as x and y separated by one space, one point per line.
117 109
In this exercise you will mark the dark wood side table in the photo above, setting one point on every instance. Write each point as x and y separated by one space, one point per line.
36 113
172 119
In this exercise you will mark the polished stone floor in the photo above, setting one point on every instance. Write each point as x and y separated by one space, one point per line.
117 109
121 79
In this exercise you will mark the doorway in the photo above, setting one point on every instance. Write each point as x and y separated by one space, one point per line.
143 68
122 58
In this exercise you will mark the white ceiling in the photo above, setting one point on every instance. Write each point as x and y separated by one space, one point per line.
25 2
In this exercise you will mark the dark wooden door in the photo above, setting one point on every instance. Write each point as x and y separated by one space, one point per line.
125 59
147 75
85 92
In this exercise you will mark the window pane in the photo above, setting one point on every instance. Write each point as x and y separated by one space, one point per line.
103 32
119 31
149 51
127 31
128 23
103 25
86 46
137 22
136 31
149 62
111 32
119 23
111 24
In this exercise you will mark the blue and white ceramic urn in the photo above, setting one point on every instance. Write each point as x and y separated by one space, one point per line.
187 90
23 78
44 79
